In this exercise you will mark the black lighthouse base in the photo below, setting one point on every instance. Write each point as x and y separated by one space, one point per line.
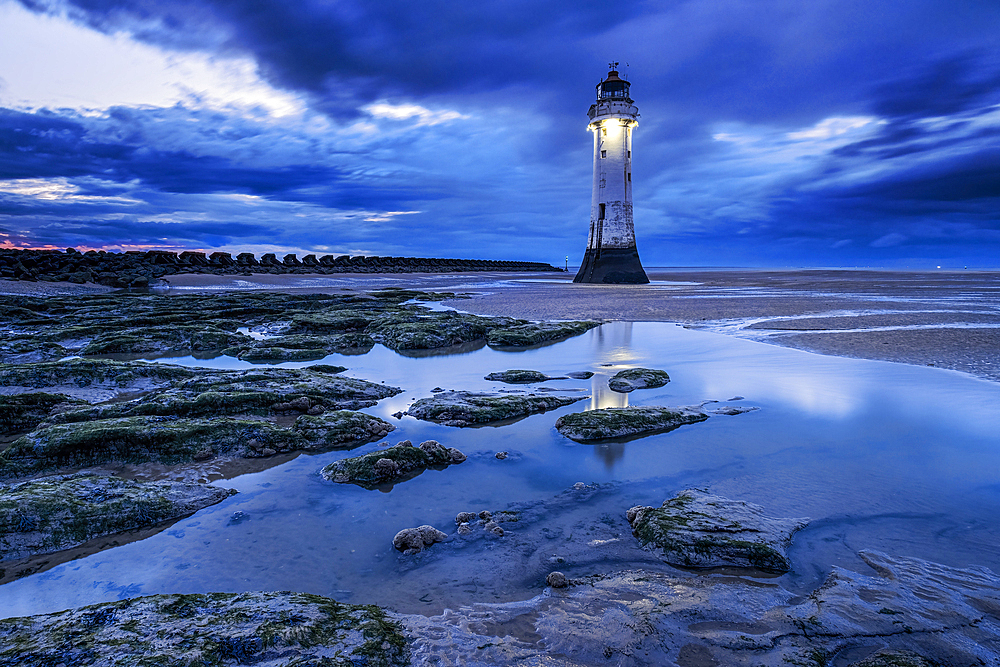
612 266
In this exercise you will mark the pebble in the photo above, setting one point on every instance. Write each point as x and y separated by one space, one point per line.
557 580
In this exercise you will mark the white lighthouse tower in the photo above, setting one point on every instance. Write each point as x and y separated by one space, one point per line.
612 256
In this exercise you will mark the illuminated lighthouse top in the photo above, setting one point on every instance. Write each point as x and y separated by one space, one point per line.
611 255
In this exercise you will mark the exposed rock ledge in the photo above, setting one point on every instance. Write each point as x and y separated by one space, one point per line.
905 612
463 408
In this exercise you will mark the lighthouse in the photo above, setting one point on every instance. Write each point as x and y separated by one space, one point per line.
612 256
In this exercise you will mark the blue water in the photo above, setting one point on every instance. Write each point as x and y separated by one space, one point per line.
900 458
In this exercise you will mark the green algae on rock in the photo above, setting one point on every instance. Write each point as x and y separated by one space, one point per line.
141 439
535 333
631 379
20 412
608 423
274 629
434 330
277 354
62 511
342 428
696 529
518 376
174 338
392 464
463 408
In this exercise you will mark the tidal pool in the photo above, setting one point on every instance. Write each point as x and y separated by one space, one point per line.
898 458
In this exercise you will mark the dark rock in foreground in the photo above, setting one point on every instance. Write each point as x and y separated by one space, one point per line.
518 376
906 613
59 512
695 529
462 408
273 629
343 428
607 423
631 379
536 333
392 464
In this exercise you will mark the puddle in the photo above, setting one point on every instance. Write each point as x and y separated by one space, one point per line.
903 459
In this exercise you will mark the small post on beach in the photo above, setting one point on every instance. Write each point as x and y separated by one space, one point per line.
612 256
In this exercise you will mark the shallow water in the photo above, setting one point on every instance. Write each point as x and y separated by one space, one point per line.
899 458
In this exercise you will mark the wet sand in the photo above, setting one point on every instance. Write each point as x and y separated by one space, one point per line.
949 319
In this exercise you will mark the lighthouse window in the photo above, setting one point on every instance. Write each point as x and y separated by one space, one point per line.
630 178
630 155
600 215
604 153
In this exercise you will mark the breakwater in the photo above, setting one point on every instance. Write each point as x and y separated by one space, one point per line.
138 269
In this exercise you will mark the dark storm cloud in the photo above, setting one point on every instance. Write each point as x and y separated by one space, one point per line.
927 70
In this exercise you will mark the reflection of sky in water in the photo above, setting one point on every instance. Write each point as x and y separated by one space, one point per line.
905 459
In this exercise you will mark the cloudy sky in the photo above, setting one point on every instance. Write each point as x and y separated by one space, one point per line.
772 132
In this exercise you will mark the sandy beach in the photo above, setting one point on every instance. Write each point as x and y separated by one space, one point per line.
947 319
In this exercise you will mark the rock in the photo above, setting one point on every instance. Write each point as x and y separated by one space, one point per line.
391 465
501 455
175 338
50 514
486 515
464 517
520 377
580 375
493 528
277 629
696 529
415 540
557 580
341 428
136 439
464 529
398 414
606 423
277 354
460 408
21 412
238 517
946 616
733 410
894 658
631 379
527 334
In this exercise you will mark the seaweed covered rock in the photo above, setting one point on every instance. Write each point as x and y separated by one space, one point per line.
321 384
100 378
393 464
696 529
517 376
631 379
463 408
415 540
59 512
175 338
342 428
276 354
536 333
28 349
274 629
632 422
894 658
141 439
20 412
434 330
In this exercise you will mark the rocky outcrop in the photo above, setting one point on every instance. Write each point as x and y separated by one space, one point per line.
463 408
21 412
633 422
393 464
340 429
699 530
904 612
521 377
59 512
631 379
536 333
272 629
415 540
